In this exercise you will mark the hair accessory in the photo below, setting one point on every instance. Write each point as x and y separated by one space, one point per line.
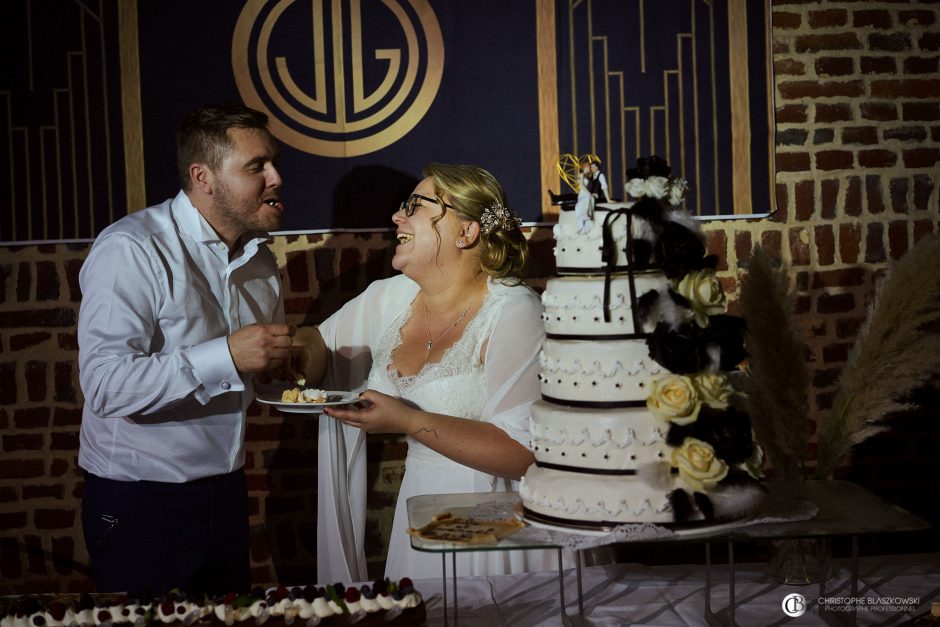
496 216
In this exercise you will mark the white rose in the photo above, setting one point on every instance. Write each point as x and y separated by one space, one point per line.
698 466
715 389
656 186
703 289
677 191
674 399
636 188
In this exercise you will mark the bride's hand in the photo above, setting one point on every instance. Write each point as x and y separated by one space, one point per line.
380 413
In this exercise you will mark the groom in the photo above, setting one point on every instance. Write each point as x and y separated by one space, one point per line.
181 304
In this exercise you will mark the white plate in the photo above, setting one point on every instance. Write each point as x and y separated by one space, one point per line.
334 398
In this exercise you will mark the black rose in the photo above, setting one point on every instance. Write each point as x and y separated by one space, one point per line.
727 333
680 251
681 350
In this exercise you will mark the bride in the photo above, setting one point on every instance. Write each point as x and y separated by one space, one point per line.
448 351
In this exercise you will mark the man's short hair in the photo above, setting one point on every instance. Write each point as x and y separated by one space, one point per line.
203 136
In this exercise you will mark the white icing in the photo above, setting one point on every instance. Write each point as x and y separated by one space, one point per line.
574 305
607 371
312 396
335 607
164 618
117 615
257 612
410 600
304 608
616 439
594 498
224 613
259 608
322 607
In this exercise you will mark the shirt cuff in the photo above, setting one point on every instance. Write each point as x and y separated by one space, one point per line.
213 366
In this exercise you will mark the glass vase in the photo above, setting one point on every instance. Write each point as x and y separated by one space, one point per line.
800 561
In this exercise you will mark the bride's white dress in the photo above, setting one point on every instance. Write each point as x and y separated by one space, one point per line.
498 386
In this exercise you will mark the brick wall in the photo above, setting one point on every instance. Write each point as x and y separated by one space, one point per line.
858 133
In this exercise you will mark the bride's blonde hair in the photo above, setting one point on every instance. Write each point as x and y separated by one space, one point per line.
504 251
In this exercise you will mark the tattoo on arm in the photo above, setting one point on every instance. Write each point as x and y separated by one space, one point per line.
428 430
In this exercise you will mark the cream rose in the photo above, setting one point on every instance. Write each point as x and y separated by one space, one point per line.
636 188
698 466
703 289
715 389
656 186
674 399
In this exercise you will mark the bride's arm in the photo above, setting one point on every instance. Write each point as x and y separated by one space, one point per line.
309 355
497 443
480 445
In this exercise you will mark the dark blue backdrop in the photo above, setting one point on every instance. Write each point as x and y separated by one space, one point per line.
485 112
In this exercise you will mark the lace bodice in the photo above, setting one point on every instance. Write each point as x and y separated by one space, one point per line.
455 385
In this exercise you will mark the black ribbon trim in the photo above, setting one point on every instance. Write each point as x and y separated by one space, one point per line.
586 471
621 336
604 525
595 404
609 252
609 257
593 471
592 271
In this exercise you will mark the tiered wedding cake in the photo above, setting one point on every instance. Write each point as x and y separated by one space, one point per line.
636 421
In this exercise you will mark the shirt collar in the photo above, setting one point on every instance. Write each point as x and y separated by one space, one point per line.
195 225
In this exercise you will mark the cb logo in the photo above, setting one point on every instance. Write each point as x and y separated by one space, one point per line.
335 84
794 605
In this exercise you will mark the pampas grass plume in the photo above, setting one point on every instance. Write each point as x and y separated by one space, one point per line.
777 379
896 351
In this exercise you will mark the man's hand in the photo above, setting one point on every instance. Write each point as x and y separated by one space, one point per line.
259 347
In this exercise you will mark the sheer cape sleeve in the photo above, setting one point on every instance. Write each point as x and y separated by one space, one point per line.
511 367
350 335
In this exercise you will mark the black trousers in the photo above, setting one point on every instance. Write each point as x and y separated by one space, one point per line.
148 536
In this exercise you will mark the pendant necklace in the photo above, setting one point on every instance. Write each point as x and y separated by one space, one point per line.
430 343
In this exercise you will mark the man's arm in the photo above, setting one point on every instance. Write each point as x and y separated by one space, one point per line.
127 366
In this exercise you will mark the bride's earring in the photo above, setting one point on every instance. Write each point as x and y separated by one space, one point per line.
460 243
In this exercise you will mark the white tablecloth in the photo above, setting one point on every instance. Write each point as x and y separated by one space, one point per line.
631 594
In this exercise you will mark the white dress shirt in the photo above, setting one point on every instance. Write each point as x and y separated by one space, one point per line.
163 400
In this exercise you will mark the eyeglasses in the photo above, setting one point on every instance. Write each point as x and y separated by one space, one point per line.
409 206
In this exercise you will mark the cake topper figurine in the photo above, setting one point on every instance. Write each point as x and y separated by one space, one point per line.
584 208
595 181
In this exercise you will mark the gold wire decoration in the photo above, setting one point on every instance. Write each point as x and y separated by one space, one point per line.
569 168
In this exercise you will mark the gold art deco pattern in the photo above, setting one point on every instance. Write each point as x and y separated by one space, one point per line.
65 178
324 123
600 97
